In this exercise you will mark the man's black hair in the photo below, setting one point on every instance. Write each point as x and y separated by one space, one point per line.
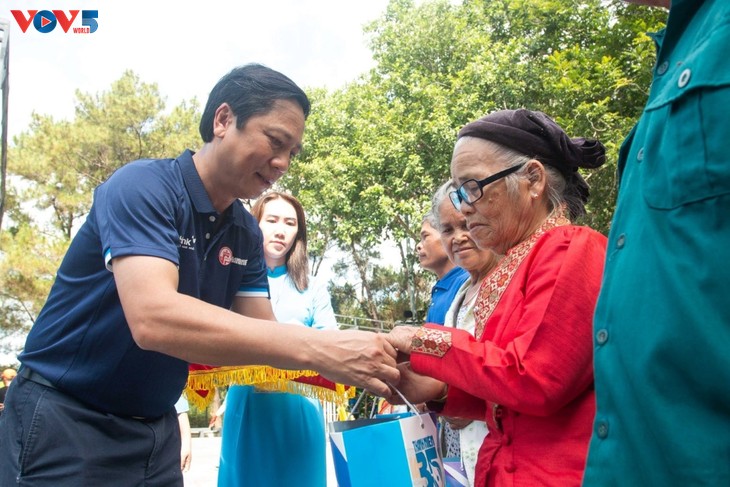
250 90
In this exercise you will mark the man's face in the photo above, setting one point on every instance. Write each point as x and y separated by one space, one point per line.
253 158
430 250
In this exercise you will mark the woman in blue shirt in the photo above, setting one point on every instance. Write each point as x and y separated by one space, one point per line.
276 438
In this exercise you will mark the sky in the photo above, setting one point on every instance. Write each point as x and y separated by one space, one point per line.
183 46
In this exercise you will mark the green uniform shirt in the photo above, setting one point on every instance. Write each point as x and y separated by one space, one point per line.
662 323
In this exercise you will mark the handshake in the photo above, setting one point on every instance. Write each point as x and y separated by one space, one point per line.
375 362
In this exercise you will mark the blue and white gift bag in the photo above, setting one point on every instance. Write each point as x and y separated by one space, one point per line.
389 450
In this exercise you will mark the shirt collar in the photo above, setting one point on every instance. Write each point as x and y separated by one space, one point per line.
198 194
454 275
194 184
277 271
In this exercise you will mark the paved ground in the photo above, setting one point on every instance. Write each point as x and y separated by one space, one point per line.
204 468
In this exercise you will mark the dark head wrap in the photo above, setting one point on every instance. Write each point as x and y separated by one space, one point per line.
536 135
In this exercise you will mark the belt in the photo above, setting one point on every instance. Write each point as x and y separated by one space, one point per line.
34 376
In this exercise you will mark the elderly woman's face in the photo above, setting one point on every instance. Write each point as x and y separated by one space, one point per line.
498 220
458 243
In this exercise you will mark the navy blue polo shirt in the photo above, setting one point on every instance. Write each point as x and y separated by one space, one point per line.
443 294
81 341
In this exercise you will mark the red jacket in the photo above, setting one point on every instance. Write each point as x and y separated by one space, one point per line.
530 371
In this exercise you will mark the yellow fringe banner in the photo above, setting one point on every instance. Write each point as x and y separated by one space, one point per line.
263 377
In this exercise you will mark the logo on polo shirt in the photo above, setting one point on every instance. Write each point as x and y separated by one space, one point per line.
225 257
187 243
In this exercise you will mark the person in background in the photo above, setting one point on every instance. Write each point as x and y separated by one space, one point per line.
7 377
527 368
186 439
166 270
465 253
277 438
215 421
662 322
432 257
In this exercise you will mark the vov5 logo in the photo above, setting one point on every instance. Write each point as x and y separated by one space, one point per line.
45 21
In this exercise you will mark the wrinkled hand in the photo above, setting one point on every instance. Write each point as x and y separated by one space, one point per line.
458 423
415 387
358 358
401 338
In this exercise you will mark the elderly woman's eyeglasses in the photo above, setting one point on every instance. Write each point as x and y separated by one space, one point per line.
471 190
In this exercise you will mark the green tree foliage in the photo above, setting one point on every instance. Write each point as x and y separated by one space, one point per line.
54 167
586 63
27 267
377 149
63 161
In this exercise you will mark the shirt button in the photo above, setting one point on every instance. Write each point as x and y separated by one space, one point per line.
510 468
621 241
640 155
662 68
684 78
602 429
207 235
601 336
211 218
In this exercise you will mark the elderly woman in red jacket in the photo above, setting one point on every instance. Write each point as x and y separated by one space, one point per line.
527 370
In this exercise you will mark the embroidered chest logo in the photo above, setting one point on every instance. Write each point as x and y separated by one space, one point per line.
187 243
225 257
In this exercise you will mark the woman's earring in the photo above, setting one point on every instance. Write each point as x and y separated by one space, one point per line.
534 195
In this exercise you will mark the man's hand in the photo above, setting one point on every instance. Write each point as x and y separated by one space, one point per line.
358 358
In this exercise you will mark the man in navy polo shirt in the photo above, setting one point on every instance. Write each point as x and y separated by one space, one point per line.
167 269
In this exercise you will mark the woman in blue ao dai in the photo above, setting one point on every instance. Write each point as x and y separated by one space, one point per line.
277 438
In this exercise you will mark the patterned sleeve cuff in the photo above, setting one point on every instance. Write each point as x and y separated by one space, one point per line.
431 342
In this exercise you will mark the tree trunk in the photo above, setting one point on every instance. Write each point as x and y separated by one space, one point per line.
409 276
361 263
